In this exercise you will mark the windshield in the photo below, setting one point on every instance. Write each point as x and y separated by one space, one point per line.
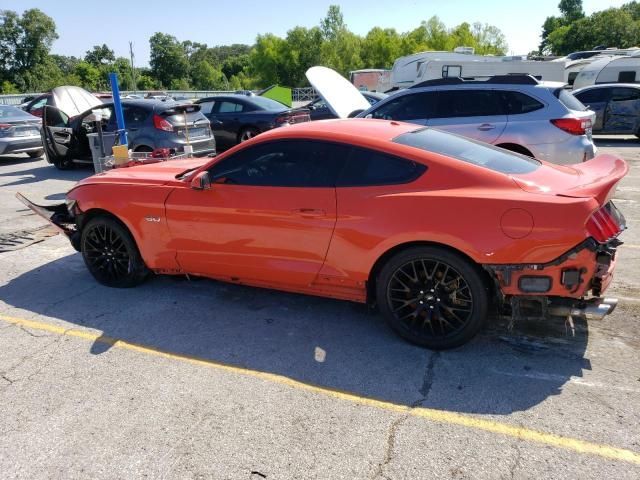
468 151
268 104
7 111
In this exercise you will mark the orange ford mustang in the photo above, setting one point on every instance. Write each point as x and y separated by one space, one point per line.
432 227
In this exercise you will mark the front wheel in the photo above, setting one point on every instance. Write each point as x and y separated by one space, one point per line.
36 154
432 297
111 254
247 134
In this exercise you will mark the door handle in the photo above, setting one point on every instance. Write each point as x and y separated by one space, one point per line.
486 126
309 212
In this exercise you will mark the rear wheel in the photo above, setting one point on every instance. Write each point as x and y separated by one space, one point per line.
247 134
432 297
512 147
111 254
36 154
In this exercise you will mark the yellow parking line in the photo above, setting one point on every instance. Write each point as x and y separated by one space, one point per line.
440 416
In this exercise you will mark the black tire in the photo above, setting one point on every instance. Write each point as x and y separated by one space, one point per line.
110 253
64 164
143 148
36 154
432 297
516 149
247 134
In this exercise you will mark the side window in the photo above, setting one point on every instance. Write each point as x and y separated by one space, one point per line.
207 107
288 163
517 103
627 77
469 103
229 107
595 95
413 106
369 168
572 77
449 71
134 115
625 94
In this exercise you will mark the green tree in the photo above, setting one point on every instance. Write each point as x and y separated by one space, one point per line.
381 47
169 62
90 76
100 55
571 10
206 77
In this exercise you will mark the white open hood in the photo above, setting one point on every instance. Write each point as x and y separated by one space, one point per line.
341 96
74 100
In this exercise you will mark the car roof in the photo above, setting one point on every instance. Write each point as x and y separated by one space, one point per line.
352 130
607 85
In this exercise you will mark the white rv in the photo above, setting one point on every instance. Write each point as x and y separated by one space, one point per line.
424 66
610 69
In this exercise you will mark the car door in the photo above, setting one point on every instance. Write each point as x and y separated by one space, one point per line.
477 114
225 121
57 133
413 107
623 110
596 100
268 217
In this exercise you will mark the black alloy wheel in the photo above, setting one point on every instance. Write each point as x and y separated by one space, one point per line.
111 254
432 297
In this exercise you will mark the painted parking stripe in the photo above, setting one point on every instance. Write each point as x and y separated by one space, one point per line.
452 418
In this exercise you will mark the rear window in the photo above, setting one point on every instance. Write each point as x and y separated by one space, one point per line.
267 103
468 151
517 103
568 100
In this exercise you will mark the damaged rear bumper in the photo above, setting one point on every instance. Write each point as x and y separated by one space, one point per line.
570 285
57 215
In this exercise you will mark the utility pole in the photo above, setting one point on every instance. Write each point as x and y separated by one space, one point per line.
133 69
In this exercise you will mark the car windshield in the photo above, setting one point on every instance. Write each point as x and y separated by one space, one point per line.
468 151
7 111
268 104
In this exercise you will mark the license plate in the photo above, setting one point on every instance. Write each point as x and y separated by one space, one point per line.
29 132
198 132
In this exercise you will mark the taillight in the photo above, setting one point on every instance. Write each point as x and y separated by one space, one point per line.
162 123
605 223
573 126
5 129
281 120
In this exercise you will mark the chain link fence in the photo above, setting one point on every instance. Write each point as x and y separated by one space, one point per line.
299 95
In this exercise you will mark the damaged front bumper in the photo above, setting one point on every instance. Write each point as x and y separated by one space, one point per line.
59 215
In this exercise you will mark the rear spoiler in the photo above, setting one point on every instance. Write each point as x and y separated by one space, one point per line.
599 177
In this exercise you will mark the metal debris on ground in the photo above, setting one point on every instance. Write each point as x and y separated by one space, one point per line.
23 238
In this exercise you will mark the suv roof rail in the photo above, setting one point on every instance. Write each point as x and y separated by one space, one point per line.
510 79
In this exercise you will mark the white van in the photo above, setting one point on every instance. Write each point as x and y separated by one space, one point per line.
610 69
420 67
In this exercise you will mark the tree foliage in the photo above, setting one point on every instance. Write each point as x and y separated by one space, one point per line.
573 31
25 43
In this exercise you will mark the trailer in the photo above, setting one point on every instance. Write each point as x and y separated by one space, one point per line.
371 79
610 69
425 66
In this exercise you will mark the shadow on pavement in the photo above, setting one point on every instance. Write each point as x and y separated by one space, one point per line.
333 344
617 142
43 172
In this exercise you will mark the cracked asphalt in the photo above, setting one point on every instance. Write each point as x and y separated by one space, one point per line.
202 380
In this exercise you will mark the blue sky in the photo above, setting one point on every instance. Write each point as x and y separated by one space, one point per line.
82 24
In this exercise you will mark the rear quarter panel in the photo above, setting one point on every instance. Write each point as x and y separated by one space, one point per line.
448 207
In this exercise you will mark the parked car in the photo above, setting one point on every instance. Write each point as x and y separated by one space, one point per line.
319 110
19 132
617 107
431 226
150 124
69 99
237 118
537 119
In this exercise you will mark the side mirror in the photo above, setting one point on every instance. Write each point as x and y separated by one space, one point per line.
201 181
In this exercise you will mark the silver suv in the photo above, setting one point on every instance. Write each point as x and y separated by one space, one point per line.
516 112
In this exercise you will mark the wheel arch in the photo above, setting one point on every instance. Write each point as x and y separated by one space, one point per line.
92 213
389 253
247 126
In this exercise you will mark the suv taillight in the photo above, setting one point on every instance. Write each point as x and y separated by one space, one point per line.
605 223
573 126
162 123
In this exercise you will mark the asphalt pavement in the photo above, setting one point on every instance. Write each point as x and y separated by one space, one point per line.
199 379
